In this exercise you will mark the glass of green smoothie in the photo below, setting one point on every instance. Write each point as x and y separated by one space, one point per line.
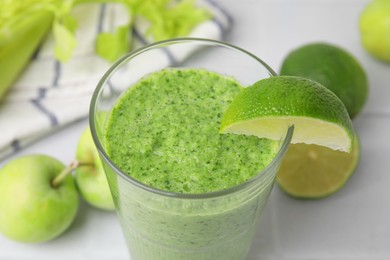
182 190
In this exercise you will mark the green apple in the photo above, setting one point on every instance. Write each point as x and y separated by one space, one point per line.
90 177
375 29
32 208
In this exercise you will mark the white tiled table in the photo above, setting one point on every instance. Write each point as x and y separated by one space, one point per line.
353 224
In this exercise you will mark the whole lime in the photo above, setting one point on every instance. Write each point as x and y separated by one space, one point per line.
374 26
334 68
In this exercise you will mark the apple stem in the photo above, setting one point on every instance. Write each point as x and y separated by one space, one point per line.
62 175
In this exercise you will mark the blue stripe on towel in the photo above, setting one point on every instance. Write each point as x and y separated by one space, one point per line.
15 144
52 118
36 53
139 36
57 73
224 12
143 40
171 58
42 93
102 16
112 88
220 25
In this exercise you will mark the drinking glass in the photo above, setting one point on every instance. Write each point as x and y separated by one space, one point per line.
162 225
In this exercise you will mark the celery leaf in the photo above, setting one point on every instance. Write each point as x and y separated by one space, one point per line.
65 41
113 45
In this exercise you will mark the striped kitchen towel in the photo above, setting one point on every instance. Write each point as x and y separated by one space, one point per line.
50 95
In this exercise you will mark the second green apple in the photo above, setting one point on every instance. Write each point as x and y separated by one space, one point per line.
90 177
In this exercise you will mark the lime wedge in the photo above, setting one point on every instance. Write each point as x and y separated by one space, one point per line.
313 172
267 108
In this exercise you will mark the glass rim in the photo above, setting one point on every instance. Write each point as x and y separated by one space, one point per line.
128 178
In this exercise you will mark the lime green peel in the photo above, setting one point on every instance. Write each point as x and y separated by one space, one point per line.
24 24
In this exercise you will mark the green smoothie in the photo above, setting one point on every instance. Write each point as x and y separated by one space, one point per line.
164 133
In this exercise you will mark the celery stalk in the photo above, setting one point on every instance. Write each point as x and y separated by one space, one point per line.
18 45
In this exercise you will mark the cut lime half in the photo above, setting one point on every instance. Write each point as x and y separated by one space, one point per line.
314 172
